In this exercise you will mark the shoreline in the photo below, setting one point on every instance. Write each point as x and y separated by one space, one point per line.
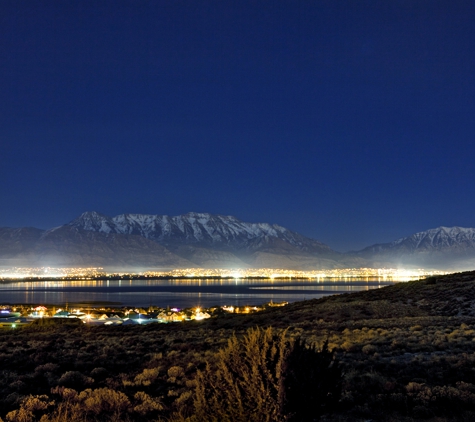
131 277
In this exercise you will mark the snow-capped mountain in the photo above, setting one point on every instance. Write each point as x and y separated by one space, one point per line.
216 241
434 246
193 239
200 229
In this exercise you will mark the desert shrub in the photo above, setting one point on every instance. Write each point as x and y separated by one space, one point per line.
416 328
147 376
99 373
175 372
66 394
145 404
104 401
17 385
75 379
350 347
312 382
47 367
102 404
30 409
441 399
266 377
369 349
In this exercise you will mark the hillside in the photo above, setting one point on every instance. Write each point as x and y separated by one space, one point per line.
406 352
67 246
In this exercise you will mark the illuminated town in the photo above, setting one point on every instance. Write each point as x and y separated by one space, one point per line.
18 315
398 274
15 316
12 317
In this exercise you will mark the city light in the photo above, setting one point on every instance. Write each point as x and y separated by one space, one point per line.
94 273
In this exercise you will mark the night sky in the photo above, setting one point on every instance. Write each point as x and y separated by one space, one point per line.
352 122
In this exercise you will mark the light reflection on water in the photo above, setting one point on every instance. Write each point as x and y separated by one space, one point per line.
178 292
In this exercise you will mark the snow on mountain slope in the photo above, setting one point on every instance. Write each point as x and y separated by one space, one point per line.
441 239
95 222
203 239
204 229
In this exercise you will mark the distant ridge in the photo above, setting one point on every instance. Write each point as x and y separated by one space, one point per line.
442 246
144 241
203 229
69 246
212 240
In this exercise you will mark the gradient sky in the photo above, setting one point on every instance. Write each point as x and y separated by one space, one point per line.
351 122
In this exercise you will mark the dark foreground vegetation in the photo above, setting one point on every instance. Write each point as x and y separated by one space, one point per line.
400 353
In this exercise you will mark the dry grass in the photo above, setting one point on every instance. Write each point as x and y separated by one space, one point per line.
407 352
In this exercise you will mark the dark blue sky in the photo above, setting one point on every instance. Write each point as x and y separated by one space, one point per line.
352 122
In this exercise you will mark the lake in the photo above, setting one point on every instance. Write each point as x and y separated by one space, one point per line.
178 292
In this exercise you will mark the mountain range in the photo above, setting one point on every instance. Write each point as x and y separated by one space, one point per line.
138 242
442 247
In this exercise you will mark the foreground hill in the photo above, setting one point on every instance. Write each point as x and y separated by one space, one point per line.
406 352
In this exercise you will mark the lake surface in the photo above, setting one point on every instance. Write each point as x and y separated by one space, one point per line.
178 293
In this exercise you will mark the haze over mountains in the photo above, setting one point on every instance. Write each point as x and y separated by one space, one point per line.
444 247
138 242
